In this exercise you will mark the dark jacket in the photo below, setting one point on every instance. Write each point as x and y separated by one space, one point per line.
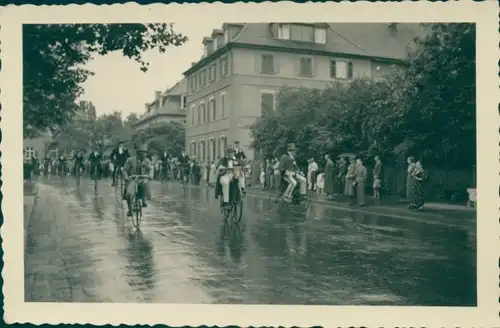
94 158
240 155
118 158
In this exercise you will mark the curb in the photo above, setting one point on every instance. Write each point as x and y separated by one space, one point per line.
27 218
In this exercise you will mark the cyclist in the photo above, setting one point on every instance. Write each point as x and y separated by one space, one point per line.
224 176
184 162
47 161
165 163
289 171
241 158
137 165
62 164
78 160
119 156
95 159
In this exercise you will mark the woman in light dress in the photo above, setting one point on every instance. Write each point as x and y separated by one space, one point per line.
409 177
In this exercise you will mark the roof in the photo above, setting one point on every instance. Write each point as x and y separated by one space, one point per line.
177 89
389 41
362 39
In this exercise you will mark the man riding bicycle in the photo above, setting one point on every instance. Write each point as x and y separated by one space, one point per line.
95 159
290 173
240 157
118 156
184 162
224 175
165 163
78 162
137 165
62 164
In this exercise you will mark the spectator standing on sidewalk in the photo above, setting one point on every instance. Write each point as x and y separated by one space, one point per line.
312 171
329 176
269 173
341 173
409 177
377 177
360 175
212 178
350 180
418 194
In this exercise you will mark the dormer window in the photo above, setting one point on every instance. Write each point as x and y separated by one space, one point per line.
226 36
320 35
205 52
215 45
284 31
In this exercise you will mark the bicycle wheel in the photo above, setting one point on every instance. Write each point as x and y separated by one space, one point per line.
237 209
136 211
121 183
304 204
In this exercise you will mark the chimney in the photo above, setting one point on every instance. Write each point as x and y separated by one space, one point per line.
157 95
218 39
193 63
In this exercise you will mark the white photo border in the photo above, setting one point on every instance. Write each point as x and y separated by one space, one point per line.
484 14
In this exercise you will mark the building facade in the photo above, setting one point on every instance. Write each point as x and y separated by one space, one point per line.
245 65
169 106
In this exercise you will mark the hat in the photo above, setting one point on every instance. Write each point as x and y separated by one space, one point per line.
143 148
291 146
237 142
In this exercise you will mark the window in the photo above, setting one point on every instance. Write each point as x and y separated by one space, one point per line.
267 64
212 108
214 149
199 115
224 66
211 72
193 109
340 69
202 77
183 101
29 152
267 101
202 150
223 105
193 83
305 66
215 44
226 36
284 31
193 148
202 113
303 33
223 145
206 114
320 35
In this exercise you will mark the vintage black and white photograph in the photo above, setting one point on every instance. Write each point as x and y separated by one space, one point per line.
281 162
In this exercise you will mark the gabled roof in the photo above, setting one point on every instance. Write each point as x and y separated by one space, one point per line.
362 39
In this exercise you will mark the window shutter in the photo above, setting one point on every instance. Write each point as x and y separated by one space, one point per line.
333 69
258 63
314 66
349 70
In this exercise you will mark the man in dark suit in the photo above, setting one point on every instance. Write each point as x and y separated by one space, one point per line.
119 156
165 163
95 159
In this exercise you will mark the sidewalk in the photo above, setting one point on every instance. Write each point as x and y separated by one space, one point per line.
389 206
29 202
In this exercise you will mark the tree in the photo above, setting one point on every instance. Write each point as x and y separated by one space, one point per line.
131 120
54 56
161 136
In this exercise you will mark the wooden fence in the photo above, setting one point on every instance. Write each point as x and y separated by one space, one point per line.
442 185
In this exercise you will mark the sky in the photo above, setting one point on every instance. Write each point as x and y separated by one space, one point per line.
120 85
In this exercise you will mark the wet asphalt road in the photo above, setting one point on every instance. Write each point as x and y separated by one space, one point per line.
81 248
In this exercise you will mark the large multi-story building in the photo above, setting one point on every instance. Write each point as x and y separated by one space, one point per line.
167 107
244 65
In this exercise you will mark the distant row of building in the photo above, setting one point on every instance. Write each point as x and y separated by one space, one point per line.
244 65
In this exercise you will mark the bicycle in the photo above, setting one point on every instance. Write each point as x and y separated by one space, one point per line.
136 201
302 202
235 206
119 170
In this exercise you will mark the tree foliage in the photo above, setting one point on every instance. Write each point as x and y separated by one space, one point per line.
425 109
54 56
161 136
